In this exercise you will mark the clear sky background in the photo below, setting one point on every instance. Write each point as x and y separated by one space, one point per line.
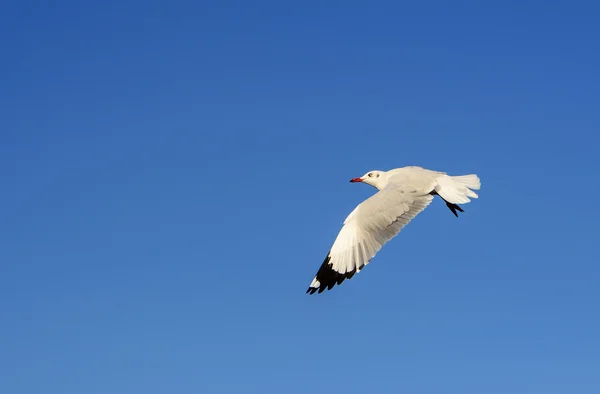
173 174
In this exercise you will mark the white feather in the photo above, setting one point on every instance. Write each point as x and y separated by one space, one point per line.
403 194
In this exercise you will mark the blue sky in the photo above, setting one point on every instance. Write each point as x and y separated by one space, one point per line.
173 175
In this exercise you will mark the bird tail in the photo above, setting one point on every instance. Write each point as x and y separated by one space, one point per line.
458 189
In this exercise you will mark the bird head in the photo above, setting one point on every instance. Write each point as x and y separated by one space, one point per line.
374 178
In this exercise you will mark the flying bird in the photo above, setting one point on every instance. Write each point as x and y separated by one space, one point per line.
403 194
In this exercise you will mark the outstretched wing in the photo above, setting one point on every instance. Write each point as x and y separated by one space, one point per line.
370 226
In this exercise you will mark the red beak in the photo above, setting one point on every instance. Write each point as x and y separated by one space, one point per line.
355 180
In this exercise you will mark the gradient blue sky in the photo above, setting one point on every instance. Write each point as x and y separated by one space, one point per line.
173 174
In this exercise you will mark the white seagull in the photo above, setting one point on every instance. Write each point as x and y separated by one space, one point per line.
403 194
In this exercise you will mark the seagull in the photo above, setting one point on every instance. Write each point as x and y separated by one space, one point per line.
403 194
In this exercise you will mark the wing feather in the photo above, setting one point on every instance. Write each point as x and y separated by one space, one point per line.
369 226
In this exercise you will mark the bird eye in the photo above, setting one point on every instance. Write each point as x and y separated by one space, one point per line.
370 174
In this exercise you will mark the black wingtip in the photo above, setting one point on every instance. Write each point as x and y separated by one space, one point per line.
328 277
454 208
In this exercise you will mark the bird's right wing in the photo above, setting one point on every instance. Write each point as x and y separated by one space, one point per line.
370 226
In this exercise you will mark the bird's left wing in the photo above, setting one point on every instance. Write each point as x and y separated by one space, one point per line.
371 225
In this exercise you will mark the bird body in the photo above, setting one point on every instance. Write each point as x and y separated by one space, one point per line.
403 194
